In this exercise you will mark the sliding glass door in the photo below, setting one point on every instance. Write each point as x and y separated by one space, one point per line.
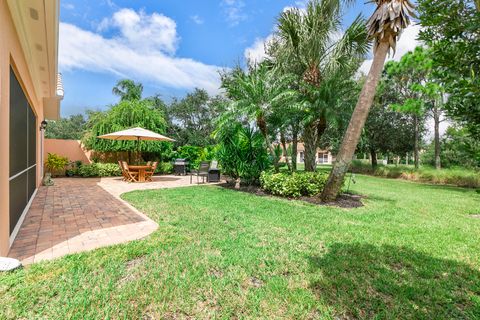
23 146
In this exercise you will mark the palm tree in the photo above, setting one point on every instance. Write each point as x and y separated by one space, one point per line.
128 90
310 43
384 27
256 94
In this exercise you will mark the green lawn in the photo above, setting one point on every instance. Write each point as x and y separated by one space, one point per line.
412 252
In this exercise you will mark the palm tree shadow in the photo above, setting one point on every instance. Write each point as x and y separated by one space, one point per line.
380 198
361 281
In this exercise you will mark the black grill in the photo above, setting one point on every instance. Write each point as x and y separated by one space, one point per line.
180 166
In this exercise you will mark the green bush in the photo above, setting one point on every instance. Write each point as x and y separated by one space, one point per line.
164 168
99 170
294 185
241 153
194 154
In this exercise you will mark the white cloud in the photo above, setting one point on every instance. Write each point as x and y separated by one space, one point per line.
68 6
408 41
139 29
197 19
234 11
144 48
256 52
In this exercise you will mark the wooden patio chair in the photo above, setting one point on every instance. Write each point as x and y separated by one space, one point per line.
124 174
149 173
131 176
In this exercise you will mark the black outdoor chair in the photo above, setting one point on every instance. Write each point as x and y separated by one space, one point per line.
201 172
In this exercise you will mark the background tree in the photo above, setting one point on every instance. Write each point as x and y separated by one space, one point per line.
71 128
451 28
419 94
191 119
386 130
128 90
459 149
307 45
402 77
384 27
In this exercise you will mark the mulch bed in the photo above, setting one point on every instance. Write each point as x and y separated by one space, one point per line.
343 201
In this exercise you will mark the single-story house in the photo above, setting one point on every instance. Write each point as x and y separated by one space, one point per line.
30 92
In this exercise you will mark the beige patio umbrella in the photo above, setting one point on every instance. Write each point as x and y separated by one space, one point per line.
136 134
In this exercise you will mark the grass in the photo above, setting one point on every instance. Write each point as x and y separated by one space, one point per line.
413 251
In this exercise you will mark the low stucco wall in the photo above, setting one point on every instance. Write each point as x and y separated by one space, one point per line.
72 149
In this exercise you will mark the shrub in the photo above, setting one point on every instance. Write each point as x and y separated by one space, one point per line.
195 154
294 185
55 163
164 167
99 170
241 153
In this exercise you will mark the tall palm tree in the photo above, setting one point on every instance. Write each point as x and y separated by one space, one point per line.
384 27
256 94
310 43
128 90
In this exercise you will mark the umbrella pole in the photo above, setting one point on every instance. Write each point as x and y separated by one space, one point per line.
138 150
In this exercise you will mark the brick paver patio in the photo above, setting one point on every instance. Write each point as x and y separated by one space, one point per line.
78 215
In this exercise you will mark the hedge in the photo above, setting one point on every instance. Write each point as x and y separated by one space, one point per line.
293 185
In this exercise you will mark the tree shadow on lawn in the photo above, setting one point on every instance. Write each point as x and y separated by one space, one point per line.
388 282
449 188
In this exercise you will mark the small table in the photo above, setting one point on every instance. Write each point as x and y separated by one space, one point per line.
141 171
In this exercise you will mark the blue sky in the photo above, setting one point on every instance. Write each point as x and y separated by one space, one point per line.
170 46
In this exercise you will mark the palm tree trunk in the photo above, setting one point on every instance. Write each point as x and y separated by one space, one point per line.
273 154
310 144
262 125
355 127
373 157
294 148
284 146
312 134
436 120
417 144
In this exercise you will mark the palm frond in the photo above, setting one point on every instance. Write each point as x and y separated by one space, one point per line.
388 21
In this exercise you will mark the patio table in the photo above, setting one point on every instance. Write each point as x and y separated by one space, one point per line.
141 171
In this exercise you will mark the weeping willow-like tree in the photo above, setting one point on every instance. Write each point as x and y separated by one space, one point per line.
124 115
128 90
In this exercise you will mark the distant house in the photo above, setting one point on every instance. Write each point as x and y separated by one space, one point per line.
321 156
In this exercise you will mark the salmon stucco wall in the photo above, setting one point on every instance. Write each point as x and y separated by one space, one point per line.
11 54
72 149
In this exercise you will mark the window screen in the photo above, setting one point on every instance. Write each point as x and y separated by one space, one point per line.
23 146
